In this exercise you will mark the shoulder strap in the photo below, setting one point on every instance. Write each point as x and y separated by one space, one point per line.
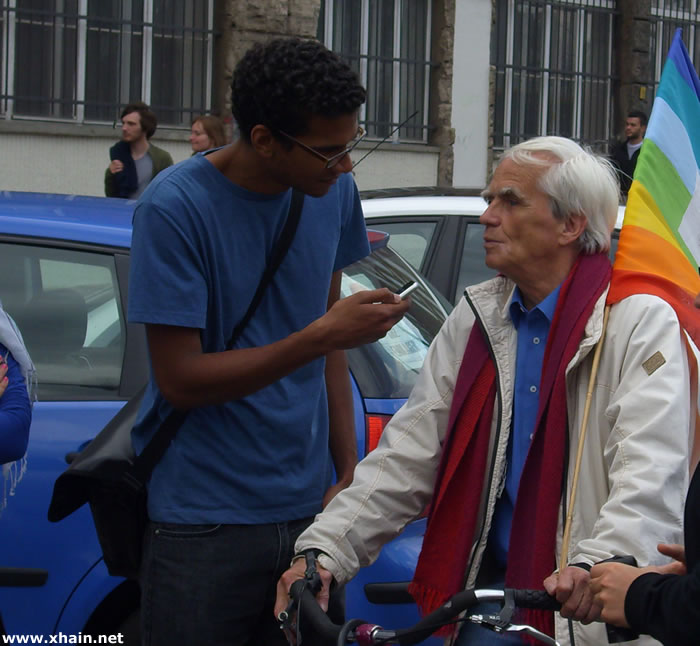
276 257
155 449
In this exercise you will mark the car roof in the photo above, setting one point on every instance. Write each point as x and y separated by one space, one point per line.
431 201
79 218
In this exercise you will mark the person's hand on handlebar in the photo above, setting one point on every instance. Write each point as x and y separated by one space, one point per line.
297 572
570 588
610 582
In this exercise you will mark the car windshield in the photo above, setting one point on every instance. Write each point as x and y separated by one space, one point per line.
388 367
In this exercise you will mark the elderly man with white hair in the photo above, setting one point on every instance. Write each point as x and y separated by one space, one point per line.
488 438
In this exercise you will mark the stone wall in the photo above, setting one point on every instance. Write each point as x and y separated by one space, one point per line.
241 23
443 134
634 64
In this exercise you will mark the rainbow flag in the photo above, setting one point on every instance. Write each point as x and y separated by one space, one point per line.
659 247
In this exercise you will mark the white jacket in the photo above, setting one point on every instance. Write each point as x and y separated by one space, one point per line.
634 470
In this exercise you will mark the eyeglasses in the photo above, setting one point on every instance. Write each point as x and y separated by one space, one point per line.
335 159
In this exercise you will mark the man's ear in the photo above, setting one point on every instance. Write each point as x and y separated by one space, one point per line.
573 228
263 141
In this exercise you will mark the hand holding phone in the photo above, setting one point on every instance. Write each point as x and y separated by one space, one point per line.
407 289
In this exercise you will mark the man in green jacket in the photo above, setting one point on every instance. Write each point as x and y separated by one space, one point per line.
134 160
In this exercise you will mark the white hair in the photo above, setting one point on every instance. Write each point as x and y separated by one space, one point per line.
578 182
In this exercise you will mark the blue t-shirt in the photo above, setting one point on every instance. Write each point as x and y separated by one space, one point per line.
15 413
200 246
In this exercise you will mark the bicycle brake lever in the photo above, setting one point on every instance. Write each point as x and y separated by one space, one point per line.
311 574
533 632
495 623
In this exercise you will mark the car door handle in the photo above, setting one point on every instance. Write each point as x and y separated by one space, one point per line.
17 577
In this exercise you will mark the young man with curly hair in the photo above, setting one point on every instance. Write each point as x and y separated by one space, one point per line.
270 419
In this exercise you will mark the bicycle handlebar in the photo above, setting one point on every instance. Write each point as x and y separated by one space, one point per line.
309 614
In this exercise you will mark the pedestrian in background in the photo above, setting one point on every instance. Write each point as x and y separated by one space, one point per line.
624 154
207 132
135 160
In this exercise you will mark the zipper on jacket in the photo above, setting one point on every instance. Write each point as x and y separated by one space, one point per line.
489 483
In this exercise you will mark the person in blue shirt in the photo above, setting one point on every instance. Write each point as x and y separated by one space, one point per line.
271 419
16 396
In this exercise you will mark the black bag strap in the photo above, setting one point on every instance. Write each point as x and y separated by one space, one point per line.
155 449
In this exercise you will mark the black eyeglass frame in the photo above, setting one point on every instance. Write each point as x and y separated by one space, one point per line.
334 159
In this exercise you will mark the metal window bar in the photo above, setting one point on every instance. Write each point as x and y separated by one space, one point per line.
554 73
71 86
666 17
357 31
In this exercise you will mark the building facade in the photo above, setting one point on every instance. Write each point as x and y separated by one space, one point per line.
450 82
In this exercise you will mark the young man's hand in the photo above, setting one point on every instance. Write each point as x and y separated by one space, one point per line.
361 318
116 166
611 581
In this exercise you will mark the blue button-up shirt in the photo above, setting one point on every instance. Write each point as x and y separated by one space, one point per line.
532 327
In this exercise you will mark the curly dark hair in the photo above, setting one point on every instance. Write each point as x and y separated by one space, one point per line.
148 117
282 83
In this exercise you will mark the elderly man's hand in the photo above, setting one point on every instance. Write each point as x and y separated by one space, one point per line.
297 572
570 588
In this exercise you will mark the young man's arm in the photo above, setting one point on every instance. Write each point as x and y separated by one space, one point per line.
188 377
342 441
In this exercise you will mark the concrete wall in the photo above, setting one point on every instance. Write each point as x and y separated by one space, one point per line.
74 162
470 92
64 164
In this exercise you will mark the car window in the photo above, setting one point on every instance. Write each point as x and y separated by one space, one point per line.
410 239
388 367
67 306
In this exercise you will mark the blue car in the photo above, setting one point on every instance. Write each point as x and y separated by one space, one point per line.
64 268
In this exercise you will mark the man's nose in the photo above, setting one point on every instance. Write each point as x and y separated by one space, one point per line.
489 216
344 165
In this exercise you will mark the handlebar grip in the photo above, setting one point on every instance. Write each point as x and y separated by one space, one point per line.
536 600
311 616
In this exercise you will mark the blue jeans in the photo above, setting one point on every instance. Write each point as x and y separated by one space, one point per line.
214 584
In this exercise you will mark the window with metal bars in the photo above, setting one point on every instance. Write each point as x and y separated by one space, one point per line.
666 17
554 62
387 42
82 60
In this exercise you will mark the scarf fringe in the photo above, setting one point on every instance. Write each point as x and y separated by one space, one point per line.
12 474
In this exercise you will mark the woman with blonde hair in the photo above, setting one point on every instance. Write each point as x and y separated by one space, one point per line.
207 132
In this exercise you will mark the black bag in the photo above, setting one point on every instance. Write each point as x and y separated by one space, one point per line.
112 479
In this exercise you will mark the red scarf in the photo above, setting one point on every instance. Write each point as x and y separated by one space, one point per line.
452 530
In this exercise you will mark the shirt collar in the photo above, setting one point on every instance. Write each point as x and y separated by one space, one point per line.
546 306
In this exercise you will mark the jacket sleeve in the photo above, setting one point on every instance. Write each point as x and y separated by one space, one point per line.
15 414
110 186
637 459
394 483
666 606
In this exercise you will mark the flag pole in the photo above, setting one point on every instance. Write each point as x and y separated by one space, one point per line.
581 439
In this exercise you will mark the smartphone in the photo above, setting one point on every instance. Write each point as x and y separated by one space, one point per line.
407 289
